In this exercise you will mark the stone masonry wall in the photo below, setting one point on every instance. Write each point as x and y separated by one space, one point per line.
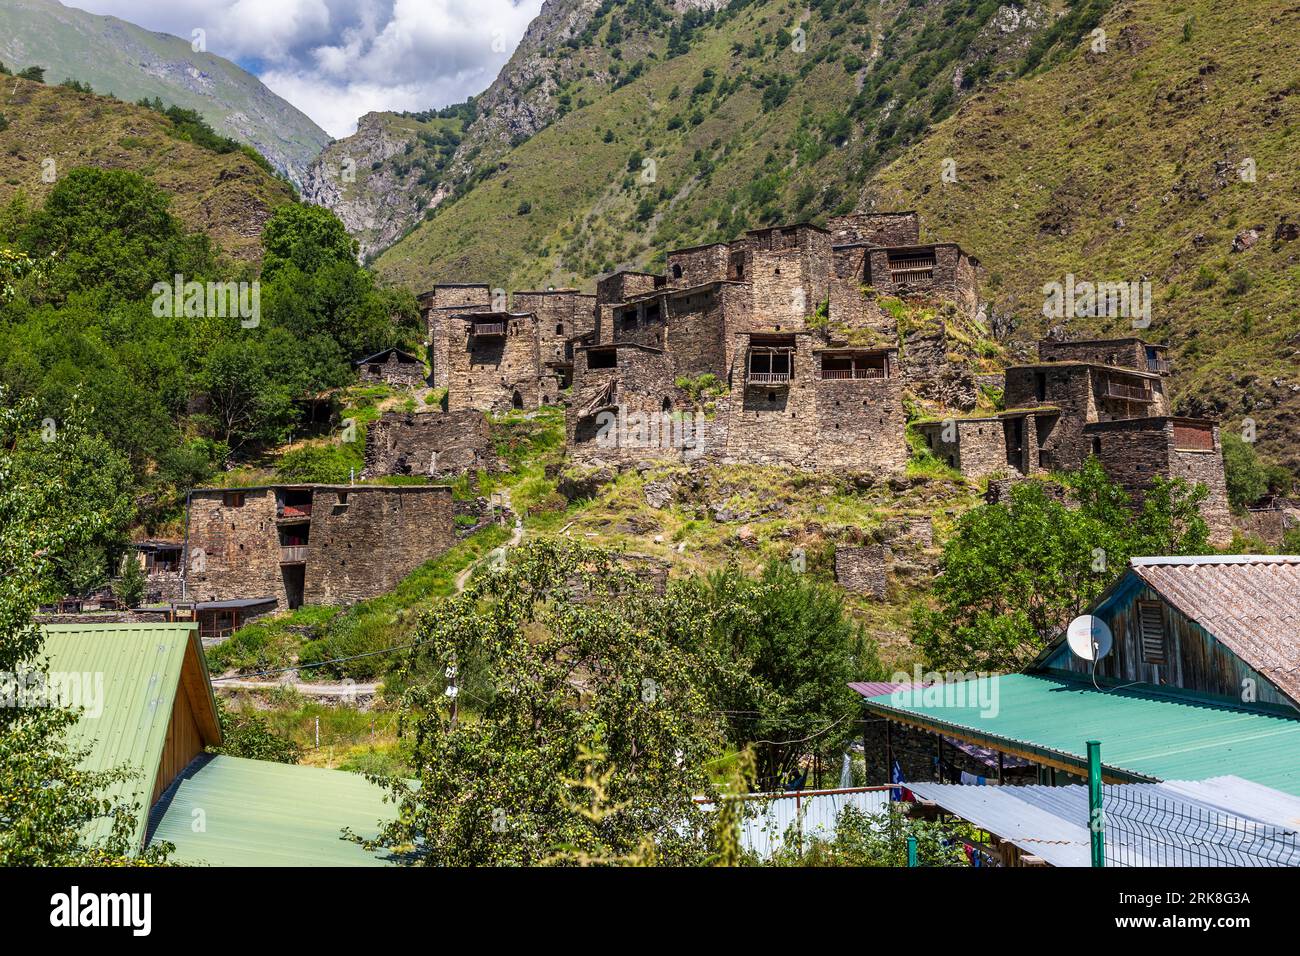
430 443
877 229
696 334
953 277
1135 452
860 425
437 307
863 570
698 265
622 286
789 276
560 314
395 372
975 446
643 380
1126 353
851 424
365 540
487 371
233 551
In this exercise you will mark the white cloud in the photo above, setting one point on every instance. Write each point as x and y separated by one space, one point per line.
338 59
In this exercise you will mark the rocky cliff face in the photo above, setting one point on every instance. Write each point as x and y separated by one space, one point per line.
377 199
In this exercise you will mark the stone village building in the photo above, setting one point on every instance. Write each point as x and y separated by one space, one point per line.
812 366
1105 398
391 367
311 544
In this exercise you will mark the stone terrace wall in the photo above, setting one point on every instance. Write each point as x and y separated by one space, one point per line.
487 371
364 540
237 546
430 443
863 570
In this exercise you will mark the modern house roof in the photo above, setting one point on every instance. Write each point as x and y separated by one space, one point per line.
1051 822
1250 603
143 668
254 812
258 813
1146 734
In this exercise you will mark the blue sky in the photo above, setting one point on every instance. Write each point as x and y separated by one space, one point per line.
338 59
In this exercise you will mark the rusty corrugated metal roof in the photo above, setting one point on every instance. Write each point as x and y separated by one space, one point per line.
1250 603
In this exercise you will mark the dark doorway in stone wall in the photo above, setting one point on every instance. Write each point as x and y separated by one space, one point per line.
295 580
517 400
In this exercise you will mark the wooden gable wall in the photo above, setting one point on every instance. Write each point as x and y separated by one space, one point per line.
1194 659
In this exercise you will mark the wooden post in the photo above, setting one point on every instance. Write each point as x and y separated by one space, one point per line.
889 749
938 752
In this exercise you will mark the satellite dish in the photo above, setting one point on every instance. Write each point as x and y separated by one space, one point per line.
1089 638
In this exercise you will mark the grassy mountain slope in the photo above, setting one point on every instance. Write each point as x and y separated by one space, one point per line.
117 57
226 195
1128 164
760 112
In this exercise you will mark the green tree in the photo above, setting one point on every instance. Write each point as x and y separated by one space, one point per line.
307 237
129 586
48 803
1246 476
112 230
1014 574
556 656
246 733
877 839
798 649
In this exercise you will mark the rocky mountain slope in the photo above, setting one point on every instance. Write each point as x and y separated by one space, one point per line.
381 180
621 129
117 57
51 129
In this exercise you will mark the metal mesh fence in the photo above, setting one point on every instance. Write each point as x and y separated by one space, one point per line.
1143 828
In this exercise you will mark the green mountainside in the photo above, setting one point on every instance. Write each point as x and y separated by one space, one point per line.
670 130
228 196
132 63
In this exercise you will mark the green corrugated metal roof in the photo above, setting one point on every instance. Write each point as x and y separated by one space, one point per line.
139 666
257 813
1161 736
